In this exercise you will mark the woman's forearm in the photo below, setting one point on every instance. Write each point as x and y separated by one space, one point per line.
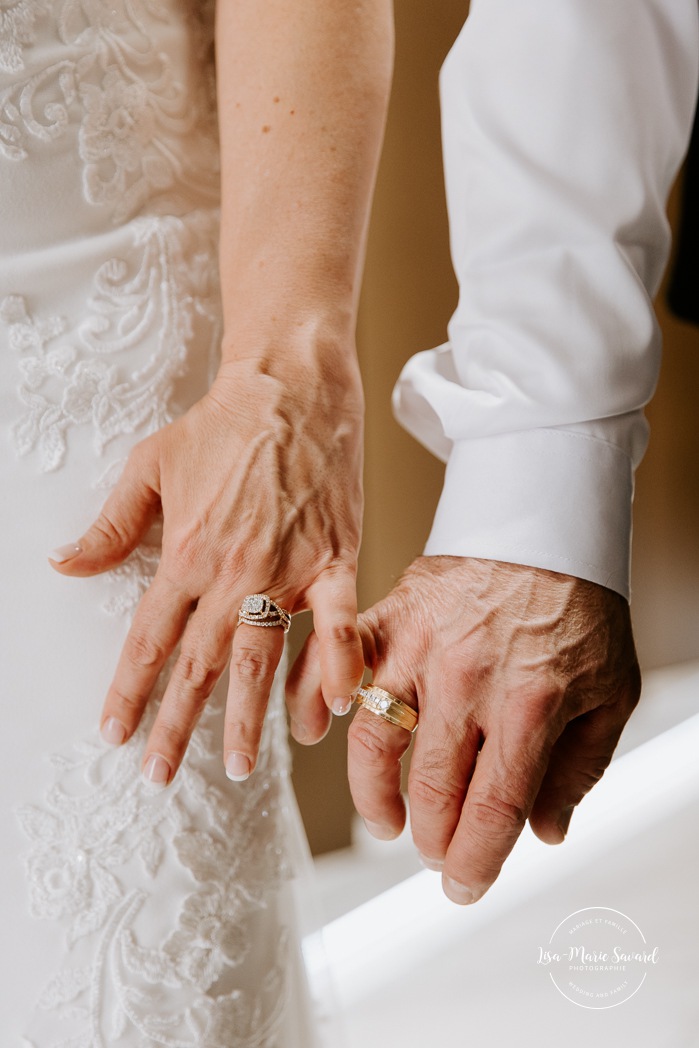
303 89
259 483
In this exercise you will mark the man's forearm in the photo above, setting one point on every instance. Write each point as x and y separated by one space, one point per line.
564 125
303 89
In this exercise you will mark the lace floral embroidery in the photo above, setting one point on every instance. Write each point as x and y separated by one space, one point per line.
73 379
170 902
121 89
184 990
17 28
106 853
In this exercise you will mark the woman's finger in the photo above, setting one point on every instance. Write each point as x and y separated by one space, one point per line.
309 716
333 598
255 657
157 626
201 661
124 520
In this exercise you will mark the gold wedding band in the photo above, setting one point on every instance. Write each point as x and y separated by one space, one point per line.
260 610
385 705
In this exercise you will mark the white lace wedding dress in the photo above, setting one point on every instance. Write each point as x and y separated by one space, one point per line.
128 918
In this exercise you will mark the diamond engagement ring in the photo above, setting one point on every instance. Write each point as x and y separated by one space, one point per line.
385 705
260 610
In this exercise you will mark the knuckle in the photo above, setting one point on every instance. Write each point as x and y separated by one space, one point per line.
440 795
590 775
169 736
368 743
143 651
197 672
535 706
182 550
632 692
109 530
253 664
493 814
341 634
129 705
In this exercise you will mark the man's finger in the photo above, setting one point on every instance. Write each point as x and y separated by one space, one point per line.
578 760
333 598
124 520
506 779
446 749
375 748
255 657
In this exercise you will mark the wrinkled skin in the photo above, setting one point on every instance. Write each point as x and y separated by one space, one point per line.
259 484
523 679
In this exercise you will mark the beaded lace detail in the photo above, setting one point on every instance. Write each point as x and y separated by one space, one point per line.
16 29
98 823
168 900
112 82
72 377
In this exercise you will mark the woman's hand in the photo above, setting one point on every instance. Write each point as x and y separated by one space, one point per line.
260 489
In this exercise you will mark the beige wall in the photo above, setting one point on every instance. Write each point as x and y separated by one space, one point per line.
665 581
409 294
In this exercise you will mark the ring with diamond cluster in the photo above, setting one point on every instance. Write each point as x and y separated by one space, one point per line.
385 705
260 610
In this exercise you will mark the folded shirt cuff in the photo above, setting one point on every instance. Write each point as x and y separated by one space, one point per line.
548 498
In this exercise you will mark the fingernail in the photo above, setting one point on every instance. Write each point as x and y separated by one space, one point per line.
341 706
156 771
113 731
564 821
431 864
298 730
381 832
63 553
460 893
237 766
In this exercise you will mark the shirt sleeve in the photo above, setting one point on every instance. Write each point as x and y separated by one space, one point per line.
564 123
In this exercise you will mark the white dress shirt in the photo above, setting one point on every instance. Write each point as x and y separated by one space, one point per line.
564 124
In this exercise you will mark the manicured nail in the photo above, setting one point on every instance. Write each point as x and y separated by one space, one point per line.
156 771
381 832
113 731
460 893
63 553
564 821
431 864
342 706
237 766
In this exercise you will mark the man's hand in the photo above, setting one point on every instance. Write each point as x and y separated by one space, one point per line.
523 679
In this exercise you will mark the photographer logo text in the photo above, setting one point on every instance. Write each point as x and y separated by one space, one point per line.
598 957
